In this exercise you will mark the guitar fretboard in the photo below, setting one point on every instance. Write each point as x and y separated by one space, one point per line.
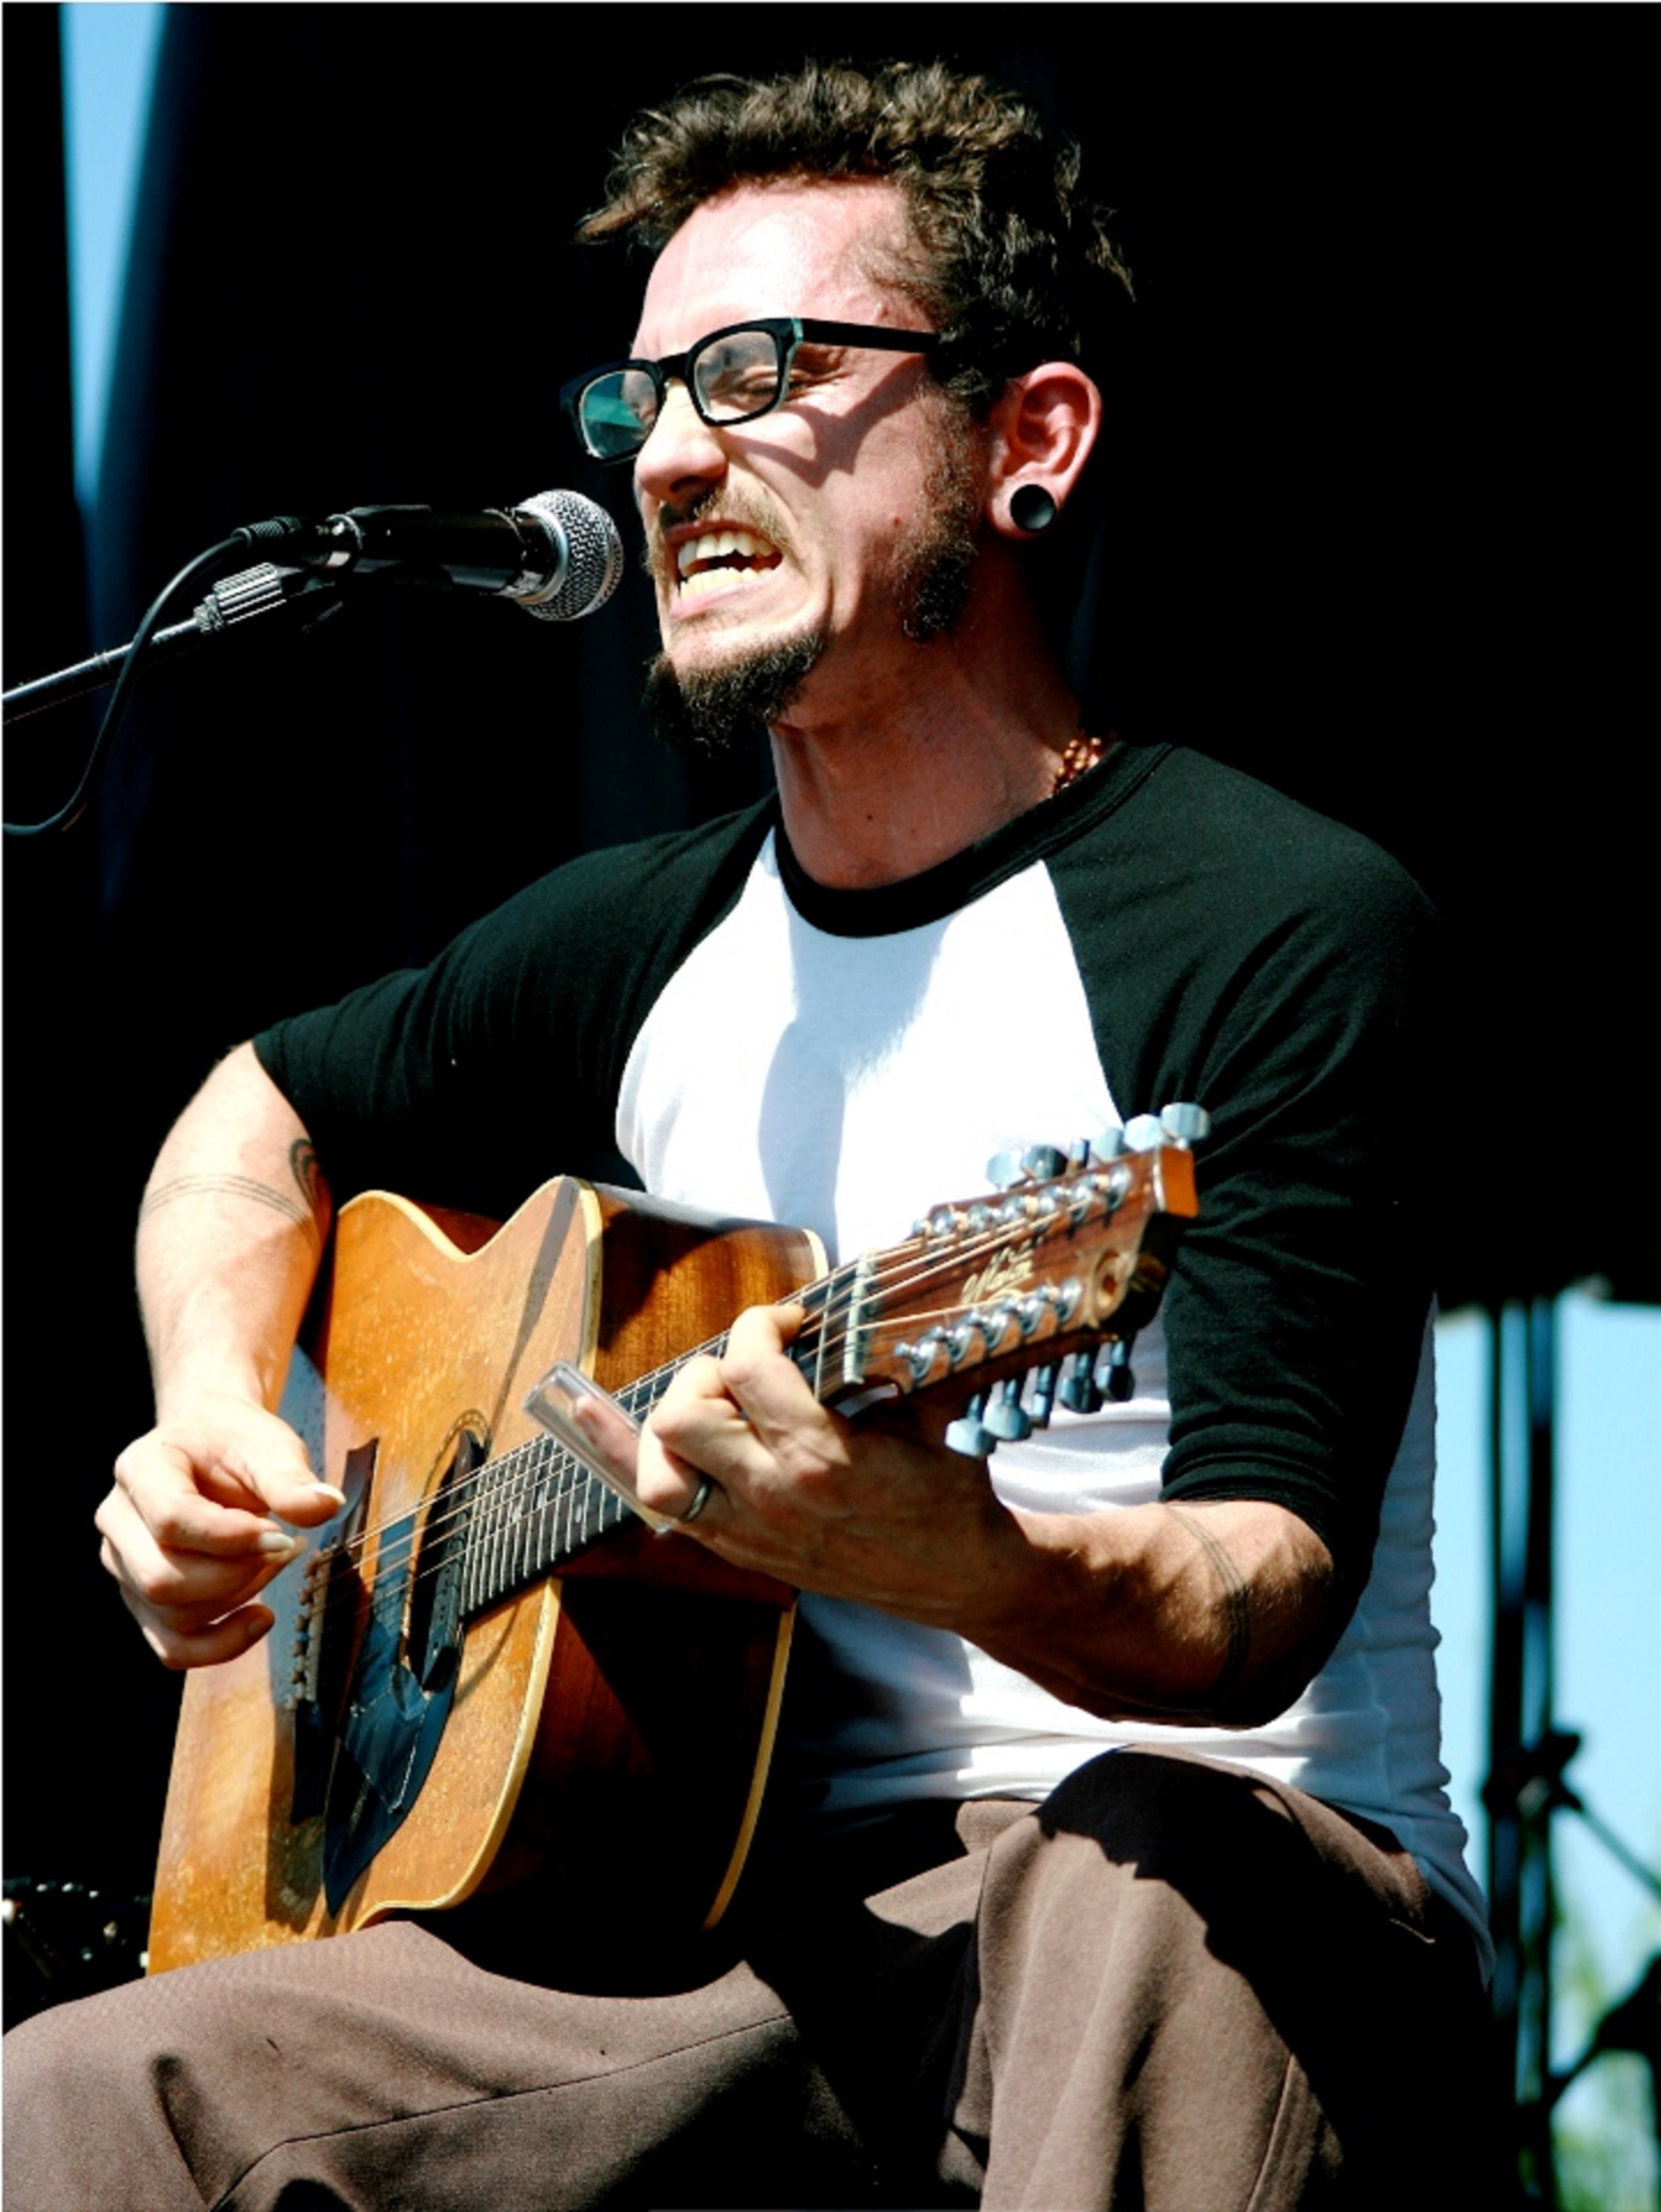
529 1512
523 1516
500 1526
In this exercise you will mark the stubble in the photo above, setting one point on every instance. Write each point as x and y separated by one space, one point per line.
710 711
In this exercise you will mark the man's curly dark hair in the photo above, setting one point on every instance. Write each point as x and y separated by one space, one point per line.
1014 263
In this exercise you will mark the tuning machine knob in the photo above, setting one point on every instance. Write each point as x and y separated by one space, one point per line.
1121 1382
969 1434
1079 1391
1184 1122
1006 1418
1037 1163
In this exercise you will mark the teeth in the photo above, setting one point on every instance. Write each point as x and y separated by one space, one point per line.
712 580
719 545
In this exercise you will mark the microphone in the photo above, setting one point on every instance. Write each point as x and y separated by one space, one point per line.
557 555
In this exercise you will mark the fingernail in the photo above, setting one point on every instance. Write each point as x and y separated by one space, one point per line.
277 1545
328 1490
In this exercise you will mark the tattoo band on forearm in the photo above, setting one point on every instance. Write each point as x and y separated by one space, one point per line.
238 1186
1236 1600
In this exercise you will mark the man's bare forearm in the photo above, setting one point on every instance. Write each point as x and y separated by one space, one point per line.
1214 1613
205 1505
1201 1613
230 1230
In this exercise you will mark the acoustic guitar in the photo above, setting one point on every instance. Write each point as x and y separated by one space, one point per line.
487 1669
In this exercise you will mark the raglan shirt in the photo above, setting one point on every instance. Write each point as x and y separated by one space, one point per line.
758 1044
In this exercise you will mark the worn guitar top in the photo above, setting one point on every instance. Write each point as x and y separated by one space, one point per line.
755 1044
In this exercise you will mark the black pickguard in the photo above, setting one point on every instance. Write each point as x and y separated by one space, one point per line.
402 1680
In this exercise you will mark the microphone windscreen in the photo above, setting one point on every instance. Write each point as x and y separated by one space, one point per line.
590 550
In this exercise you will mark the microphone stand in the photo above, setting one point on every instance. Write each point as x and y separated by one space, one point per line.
251 592
243 598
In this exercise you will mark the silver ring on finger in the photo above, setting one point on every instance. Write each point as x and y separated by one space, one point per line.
700 1499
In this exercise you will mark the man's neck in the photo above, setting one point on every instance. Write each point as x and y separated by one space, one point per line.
879 783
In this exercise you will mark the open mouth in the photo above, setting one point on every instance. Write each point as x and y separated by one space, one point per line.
705 563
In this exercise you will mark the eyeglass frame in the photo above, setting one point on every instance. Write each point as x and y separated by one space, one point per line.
787 333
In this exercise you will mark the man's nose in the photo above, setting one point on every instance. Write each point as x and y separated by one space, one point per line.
682 452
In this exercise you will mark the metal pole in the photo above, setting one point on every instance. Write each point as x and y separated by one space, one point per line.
1519 1795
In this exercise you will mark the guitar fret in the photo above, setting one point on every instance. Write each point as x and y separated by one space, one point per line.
541 1558
522 1529
489 1577
481 1545
559 1516
469 1555
527 1513
559 1522
504 1549
589 1499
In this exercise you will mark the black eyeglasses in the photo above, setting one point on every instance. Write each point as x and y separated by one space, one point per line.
732 376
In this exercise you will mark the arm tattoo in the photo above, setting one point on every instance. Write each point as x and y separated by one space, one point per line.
303 1165
1237 1601
239 1186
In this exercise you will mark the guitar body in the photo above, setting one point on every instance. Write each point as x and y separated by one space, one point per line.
609 1724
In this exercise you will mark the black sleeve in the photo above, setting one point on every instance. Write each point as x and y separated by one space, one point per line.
470 1082
1282 972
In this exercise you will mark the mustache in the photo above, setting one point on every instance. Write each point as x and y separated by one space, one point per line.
737 510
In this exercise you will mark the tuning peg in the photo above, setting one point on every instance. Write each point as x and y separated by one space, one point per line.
1185 1123
969 1434
1037 1163
1121 1382
1042 1403
1107 1145
924 1354
1079 1392
1006 1417
1144 1132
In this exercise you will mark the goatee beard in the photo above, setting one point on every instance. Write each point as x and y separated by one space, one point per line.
711 711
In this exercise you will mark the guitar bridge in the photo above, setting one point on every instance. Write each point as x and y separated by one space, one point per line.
325 1624
306 1668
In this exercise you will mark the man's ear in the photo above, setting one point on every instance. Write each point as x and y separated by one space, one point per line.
1040 435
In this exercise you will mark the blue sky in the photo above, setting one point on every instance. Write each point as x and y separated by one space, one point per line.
1608 1615
1608 1480
109 61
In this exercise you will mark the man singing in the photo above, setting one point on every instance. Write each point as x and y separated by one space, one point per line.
1108 1861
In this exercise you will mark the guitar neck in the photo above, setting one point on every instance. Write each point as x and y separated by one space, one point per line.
528 1513
978 1294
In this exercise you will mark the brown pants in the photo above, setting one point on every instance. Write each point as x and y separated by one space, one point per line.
1172 1986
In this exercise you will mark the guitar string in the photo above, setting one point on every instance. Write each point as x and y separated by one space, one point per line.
541 1463
569 1500
563 1483
828 1300
637 1396
836 1293
528 1466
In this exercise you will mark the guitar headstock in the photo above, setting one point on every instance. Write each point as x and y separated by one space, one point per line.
1064 1259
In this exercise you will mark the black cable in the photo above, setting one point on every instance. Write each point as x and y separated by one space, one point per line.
68 814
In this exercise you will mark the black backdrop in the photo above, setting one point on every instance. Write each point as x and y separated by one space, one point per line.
1381 491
